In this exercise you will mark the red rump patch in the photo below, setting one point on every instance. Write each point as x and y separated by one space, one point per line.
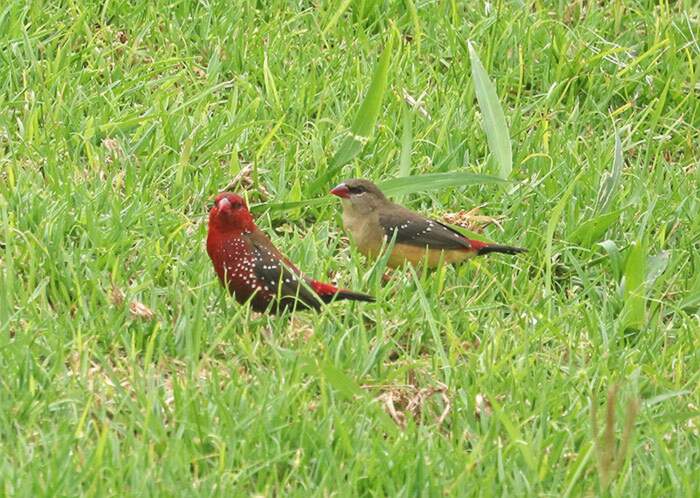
477 245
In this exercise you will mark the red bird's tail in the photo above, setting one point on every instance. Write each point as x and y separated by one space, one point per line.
349 295
328 293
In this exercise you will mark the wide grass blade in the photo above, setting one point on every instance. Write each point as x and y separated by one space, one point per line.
610 183
365 120
632 316
656 266
406 143
340 381
346 386
395 187
433 181
285 206
595 228
494 119
549 234
691 302
336 16
592 230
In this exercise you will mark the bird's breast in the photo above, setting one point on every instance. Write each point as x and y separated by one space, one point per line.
365 233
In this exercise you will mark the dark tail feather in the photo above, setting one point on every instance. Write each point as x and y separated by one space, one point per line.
349 295
496 248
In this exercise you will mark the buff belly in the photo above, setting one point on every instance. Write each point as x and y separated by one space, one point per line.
416 255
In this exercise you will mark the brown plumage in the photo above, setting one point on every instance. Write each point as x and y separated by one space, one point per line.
372 221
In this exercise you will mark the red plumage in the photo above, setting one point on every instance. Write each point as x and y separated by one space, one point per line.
253 270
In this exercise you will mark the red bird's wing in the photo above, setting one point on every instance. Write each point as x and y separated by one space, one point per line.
416 230
278 277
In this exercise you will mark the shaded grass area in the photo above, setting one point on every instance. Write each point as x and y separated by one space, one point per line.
119 121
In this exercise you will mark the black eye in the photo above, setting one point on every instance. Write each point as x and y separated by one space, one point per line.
357 190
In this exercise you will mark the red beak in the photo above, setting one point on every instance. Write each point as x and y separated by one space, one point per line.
342 191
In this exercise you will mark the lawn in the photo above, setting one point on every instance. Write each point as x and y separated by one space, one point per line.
571 370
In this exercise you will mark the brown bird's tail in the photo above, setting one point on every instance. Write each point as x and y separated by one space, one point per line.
487 249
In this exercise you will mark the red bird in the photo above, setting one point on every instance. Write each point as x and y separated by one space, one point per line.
252 268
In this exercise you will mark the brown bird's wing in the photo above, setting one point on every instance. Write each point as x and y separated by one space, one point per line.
278 276
413 229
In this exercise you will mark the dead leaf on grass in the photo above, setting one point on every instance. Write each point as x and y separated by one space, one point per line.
299 328
471 220
244 181
113 148
482 406
136 309
471 345
401 401
116 295
141 311
417 104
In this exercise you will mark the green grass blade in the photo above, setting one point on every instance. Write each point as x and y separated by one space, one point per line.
371 105
336 16
610 183
340 381
433 181
365 120
495 124
406 143
551 226
632 316
590 231
284 206
656 266
394 187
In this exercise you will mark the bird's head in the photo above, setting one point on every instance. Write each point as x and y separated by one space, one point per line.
359 196
230 213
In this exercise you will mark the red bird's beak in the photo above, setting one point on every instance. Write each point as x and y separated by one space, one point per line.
223 203
341 191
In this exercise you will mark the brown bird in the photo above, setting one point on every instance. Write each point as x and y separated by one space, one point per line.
373 220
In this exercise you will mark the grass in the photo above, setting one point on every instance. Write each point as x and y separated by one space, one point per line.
126 371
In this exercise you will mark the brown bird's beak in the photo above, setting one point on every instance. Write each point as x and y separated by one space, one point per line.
341 191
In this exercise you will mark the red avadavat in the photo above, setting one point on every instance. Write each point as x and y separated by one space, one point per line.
252 268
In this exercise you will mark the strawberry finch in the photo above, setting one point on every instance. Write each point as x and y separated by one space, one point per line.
372 220
252 268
